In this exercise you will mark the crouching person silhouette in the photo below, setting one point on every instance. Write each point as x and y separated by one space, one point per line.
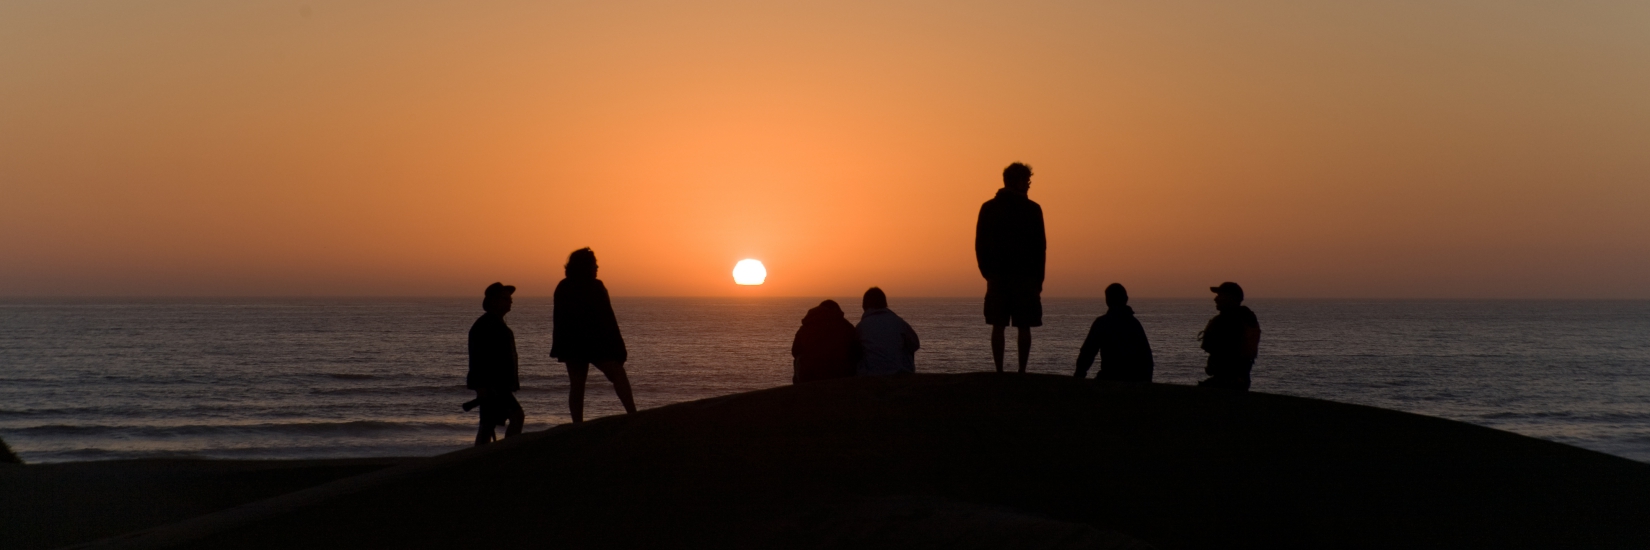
826 347
1232 339
1119 340
887 343
493 367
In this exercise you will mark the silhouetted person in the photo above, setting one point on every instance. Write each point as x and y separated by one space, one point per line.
826 347
1232 340
1011 248
887 341
586 333
1118 338
493 366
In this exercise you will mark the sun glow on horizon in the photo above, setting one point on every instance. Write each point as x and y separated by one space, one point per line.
749 272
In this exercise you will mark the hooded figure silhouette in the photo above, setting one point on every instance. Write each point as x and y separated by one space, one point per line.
826 346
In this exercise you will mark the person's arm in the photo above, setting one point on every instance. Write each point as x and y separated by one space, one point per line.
1091 347
1206 339
982 246
1042 249
558 326
909 336
605 305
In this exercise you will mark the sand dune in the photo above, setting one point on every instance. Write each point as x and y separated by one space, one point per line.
51 505
971 461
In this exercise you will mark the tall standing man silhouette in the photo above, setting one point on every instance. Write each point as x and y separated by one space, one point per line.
1011 248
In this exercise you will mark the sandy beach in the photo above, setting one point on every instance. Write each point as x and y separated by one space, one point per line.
968 461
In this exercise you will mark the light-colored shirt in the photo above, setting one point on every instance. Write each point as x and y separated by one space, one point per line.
890 345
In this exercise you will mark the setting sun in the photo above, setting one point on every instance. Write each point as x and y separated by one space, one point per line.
749 272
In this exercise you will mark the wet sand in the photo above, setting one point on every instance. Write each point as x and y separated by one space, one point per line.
971 461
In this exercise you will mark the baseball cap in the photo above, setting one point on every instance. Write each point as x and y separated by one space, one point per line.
1228 287
499 289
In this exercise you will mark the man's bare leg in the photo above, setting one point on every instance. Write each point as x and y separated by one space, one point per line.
997 346
1025 348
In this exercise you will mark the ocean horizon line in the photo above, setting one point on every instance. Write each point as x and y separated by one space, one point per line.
377 297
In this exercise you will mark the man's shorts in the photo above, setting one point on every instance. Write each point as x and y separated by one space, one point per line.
1013 304
497 407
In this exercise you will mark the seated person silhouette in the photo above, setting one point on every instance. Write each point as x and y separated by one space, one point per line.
826 347
887 343
1120 341
1232 339
586 333
493 367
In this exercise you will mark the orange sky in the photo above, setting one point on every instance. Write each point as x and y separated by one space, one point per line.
1376 149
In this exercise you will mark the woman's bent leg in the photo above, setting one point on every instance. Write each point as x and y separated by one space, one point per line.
576 373
621 383
514 428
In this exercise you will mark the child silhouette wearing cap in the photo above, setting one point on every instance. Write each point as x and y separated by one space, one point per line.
493 367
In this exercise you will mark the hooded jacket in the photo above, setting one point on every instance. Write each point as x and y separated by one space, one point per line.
1120 341
1009 242
826 347
888 342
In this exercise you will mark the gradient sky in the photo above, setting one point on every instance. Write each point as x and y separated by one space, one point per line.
1436 149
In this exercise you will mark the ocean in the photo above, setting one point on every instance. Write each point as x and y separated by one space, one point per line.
323 378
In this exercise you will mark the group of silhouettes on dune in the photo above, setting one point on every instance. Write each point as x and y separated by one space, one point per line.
1011 248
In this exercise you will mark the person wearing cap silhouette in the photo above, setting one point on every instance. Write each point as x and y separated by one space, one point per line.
1232 339
493 365
1011 249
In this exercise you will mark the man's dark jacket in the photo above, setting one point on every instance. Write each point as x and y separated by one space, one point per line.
1226 340
1009 242
492 356
1121 343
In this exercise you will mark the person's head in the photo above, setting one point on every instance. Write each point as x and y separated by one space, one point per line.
830 306
874 299
827 309
1017 177
496 299
1116 296
1227 295
581 264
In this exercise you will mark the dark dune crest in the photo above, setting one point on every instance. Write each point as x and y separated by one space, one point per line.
6 456
973 461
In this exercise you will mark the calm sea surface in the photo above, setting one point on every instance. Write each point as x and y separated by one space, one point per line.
268 378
